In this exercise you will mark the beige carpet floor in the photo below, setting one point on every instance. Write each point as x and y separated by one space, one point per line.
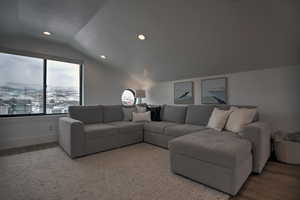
137 172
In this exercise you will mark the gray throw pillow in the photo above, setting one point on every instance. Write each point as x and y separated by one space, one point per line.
128 113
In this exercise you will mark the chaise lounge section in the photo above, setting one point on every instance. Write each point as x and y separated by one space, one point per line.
218 160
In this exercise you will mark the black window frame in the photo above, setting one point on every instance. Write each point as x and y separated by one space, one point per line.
45 58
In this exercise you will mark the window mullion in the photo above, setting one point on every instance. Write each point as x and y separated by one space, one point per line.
80 86
45 87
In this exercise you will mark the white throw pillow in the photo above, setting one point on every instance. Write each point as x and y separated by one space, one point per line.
127 111
141 109
141 117
218 119
239 118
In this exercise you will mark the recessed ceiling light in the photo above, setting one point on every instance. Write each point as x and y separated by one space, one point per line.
103 56
141 37
47 33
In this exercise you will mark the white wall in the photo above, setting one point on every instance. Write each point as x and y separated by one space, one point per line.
102 85
275 91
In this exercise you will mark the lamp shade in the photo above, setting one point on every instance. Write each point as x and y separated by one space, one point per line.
140 93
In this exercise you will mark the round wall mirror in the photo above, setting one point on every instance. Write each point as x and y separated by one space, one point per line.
128 97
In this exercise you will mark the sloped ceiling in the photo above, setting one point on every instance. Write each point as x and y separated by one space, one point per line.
184 38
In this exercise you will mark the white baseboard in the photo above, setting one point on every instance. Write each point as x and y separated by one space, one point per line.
27 141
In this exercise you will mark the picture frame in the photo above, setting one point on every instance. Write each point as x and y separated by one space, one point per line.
214 91
184 92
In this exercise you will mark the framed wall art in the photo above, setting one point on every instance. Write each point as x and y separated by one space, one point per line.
214 91
184 92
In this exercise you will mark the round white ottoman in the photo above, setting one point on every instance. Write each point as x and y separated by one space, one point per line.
287 151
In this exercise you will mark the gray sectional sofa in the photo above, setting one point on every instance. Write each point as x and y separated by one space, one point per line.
222 160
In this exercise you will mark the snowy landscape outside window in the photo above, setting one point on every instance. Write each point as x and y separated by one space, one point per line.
63 86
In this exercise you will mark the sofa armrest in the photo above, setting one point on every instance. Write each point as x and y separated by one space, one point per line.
71 136
259 134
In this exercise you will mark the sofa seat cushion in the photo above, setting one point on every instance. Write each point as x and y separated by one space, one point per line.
99 130
158 127
182 129
213 147
213 131
128 127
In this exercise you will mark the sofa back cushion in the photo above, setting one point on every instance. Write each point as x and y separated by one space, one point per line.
87 114
199 114
173 113
112 113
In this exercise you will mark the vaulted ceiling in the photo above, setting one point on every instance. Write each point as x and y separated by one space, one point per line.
184 38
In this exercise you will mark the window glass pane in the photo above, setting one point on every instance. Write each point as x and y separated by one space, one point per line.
128 98
63 86
21 85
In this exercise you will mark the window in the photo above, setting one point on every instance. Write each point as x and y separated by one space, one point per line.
36 86
128 97
63 86
21 85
